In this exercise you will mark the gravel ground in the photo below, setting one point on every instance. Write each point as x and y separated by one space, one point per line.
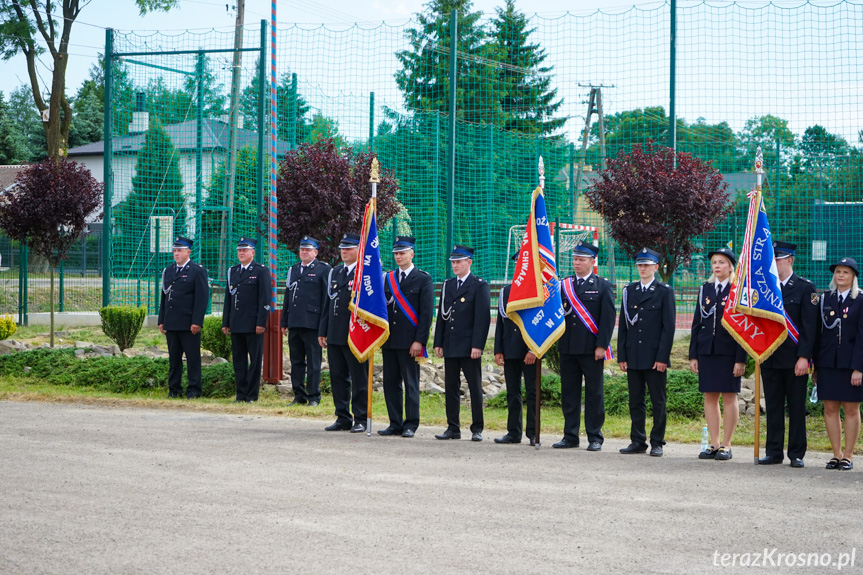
102 490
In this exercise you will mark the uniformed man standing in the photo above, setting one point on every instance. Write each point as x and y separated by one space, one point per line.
302 318
589 306
461 330
786 373
410 300
517 360
645 333
345 370
182 306
244 317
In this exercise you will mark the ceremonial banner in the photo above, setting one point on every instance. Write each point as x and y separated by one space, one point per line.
369 327
755 315
535 304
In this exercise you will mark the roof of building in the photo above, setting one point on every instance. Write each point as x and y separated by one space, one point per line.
183 136
8 174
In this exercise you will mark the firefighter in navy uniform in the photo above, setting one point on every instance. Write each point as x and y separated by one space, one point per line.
410 317
582 353
181 314
244 317
645 334
460 334
345 370
517 360
785 374
302 318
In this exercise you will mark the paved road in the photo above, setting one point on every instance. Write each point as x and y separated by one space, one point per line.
100 490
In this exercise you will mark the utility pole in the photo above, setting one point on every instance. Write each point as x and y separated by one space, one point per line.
233 121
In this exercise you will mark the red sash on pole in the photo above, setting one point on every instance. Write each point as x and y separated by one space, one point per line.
583 313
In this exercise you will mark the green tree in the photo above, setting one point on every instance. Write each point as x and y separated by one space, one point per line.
716 143
88 121
19 26
169 106
628 128
13 146
767 131
527 99
424 77
27 123
157 183
822 150
215 100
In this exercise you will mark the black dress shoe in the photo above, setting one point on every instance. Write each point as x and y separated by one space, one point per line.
531 440
633 448
408 433
565 444
796 462
297 402
238 401
594 446
358 428
507 439
338 426
174 395
313 403
449 434
388 431
769 460
656 451
476 436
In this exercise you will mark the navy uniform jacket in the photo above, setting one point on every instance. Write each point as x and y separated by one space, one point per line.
186 301
337 313
418 289
249 307
306 296
597 295
467 313
507 335
840 348
709 336
801 305
648 340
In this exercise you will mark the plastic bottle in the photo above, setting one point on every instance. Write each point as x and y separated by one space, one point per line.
705 439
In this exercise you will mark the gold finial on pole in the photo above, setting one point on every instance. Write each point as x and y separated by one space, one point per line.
759 167
541 173
375 177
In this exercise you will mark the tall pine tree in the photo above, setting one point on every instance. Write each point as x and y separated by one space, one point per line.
424 78
526 99
157 190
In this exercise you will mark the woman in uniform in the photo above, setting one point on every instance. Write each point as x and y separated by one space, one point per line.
839 360
718 360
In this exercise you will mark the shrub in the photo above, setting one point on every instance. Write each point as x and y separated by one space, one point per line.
122 324
112 374
682 397
549 392
212 338
8 327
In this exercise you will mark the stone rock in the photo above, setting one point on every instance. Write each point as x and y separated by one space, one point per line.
127 353
79 352
490 368
83 345
114 350
747 383
741 406
101 350
218 360
746 394
763 405
27 369
750 410
433 388
7 347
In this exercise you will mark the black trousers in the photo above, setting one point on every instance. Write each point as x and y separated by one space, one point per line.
513 370
781 386
247 350
347 372
180 342
637 380
400 368
574 368
306 354
472 368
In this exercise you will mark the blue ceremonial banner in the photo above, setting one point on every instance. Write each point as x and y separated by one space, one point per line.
755 313
535 304
369 325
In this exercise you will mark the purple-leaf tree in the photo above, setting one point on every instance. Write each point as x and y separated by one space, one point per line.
322 191
647 200
47 208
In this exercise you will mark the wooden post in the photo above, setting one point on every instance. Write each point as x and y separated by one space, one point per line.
369 399
537 401
757 440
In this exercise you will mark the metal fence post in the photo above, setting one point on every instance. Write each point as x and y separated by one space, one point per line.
108 153
453 73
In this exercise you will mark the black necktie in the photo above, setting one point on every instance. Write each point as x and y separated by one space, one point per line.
458 287
404 275
580 282
839 297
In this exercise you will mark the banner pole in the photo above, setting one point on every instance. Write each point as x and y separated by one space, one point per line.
757 440
537 424
369 398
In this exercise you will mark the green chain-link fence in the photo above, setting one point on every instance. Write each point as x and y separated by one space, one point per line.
784 78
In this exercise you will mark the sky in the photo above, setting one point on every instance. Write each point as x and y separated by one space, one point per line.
88 36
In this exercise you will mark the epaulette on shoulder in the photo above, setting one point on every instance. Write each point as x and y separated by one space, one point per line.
807 280
423 272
